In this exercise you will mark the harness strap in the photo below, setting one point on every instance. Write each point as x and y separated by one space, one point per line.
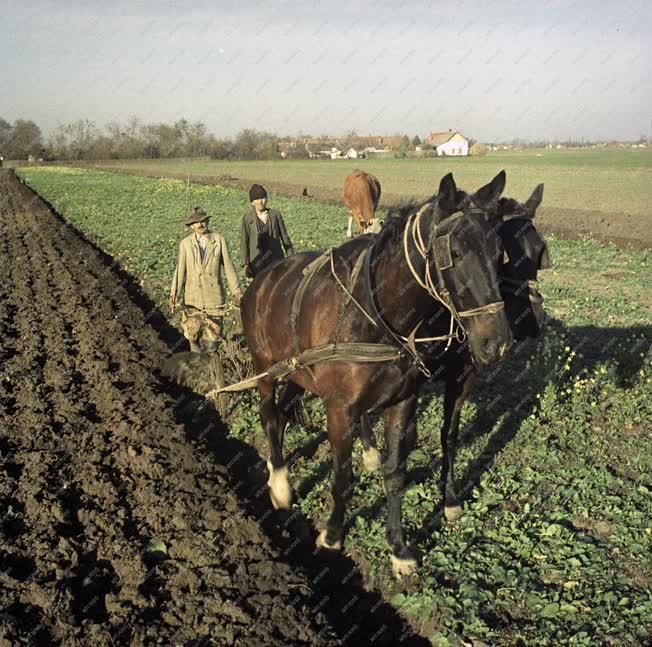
348 352
489 309
361 352
354 275
353 279
308 273
400 340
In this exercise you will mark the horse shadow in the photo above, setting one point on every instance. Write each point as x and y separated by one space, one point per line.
506 395
354 614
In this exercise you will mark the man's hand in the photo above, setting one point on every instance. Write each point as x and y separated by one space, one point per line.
172 302
238 295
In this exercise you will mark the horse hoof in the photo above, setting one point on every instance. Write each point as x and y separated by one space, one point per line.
371 459
279 487
402 566
452 512
322 542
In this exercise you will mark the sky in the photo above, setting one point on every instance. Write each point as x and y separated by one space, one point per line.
492 70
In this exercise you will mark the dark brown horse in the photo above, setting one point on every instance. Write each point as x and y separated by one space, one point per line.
525 253
437 263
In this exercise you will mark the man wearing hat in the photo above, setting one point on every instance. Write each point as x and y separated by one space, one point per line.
263 235
198 276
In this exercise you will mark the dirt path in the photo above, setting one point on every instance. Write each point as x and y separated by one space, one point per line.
93 467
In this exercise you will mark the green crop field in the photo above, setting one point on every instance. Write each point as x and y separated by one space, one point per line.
555 456
605 181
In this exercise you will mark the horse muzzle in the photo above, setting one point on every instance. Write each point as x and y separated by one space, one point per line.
490 337
525 314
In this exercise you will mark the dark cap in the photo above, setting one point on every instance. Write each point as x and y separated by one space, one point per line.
256 192
196 215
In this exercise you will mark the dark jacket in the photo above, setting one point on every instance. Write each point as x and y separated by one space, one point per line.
258 250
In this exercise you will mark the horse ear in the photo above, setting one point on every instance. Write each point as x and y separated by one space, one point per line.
490 193
447 193
534 201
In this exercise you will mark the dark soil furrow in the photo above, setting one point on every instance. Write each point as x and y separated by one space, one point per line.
113 530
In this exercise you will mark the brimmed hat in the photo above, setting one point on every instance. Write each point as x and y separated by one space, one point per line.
196 215
257 192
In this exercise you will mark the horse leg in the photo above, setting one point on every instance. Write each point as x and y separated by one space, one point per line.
287 403
458 387
340 428
400 426
370 454
279 486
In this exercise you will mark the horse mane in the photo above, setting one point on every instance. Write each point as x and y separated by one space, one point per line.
508 207
397 217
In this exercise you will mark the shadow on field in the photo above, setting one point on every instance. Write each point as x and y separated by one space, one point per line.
357 616
509 390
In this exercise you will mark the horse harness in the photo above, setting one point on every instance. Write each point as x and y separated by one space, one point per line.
373 352
406 346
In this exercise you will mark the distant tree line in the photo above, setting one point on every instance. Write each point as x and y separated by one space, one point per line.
83 140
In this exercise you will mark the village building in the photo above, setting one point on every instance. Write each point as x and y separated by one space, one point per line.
450 142
349 147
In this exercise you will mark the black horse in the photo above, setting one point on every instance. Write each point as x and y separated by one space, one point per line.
435 264
525 253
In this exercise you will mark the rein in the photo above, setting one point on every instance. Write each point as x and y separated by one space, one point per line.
456 330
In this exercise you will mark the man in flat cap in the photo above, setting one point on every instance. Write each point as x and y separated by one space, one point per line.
198 276
263 236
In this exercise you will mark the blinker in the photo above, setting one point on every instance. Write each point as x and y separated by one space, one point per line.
545 263
443 256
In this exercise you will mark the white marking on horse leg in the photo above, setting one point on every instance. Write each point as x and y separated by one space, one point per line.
279 487
371 459
322 543
349 230
452 512
403 566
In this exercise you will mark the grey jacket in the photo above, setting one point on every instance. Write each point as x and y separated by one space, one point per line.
250 242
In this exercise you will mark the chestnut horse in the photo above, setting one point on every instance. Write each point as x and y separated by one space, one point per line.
361 195
525 252
437 263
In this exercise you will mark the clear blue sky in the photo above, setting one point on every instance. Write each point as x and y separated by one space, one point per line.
494 70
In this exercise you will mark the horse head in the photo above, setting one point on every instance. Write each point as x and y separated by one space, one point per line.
463 248
525 253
